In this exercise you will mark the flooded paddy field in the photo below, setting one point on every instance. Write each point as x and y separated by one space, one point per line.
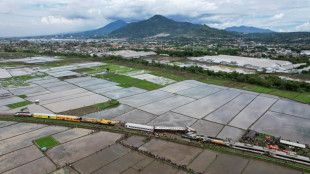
207 128
19 157
134 141
292 108
198 92
161 107
204 106
71 134
100 159
252 112
24 140
125 92
222 115
65 170
76 103
6 123
17 129
87 152
172 119
258 167
203 160
136 116
145 98
159 167
210 109
46 166
80 148
180 86
225 163
177 153
231 132
122 163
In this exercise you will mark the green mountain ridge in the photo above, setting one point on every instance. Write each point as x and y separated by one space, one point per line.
159 24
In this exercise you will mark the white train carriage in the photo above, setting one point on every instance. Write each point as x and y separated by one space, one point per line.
170 129
140 127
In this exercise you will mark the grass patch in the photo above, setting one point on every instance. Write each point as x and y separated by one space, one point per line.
254 88
105 105
298 96
10 64
19 104
304 97
126 81
286 94
22 96
46 142
177 63
124 85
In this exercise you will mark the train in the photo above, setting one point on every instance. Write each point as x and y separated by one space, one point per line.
135 126
186 132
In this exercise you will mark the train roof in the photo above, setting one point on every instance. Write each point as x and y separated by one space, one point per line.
139 125
293 144
170 128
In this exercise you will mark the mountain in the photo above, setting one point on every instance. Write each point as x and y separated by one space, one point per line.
100 31
246 29
160 25
206 31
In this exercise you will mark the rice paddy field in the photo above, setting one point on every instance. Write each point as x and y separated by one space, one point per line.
151 96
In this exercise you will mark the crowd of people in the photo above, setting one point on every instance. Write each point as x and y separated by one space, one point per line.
179 166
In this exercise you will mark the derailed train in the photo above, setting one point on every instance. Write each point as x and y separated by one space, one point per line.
284 155
186 132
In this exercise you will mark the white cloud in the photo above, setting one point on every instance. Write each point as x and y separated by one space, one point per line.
57 20
303 27
52 16
277 16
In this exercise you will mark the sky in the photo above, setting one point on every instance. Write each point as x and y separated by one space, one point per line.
42 17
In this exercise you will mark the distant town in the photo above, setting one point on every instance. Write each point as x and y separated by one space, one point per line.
298 54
